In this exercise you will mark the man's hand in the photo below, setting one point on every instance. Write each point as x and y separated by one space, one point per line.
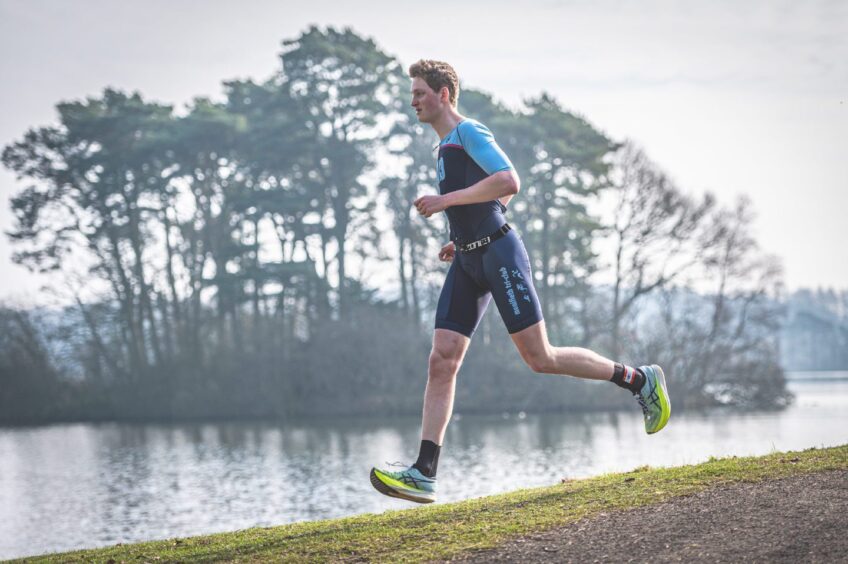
428 205
447 252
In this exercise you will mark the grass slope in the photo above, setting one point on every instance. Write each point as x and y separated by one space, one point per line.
441 531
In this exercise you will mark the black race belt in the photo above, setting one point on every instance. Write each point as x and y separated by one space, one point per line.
485 240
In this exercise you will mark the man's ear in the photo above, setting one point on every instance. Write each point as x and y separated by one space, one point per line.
444 94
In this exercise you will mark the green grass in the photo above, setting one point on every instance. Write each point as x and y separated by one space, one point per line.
442 531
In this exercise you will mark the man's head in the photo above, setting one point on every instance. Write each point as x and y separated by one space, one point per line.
435 87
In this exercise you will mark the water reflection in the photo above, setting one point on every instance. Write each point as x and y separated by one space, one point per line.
73 486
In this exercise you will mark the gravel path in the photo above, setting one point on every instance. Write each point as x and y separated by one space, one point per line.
799 519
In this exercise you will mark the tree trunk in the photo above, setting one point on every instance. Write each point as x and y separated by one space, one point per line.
172 286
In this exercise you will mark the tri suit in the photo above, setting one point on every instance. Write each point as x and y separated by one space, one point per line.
500 269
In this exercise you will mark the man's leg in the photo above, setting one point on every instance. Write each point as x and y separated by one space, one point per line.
418 482
461 305
647 383
448 351
507 269
460 308
541 356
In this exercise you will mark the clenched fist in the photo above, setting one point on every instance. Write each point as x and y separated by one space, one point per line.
428 205
447 252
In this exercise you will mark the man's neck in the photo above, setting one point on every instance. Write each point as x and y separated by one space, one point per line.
446 122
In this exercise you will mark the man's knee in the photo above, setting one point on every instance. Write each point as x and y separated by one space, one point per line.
445 358
535 350
539 361
443 364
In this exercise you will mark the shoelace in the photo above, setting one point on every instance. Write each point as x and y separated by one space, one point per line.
642 403
397 464
652 396
406 478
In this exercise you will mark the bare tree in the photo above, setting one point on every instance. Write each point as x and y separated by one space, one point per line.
654 234
722 340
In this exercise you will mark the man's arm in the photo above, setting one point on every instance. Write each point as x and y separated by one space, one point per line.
501 186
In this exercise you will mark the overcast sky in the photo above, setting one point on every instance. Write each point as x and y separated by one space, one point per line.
733 97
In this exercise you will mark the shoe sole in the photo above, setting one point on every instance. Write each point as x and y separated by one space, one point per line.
665 401
385 489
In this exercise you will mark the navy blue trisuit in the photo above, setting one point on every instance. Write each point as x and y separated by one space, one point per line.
501 269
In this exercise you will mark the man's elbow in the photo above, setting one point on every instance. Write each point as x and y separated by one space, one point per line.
512 184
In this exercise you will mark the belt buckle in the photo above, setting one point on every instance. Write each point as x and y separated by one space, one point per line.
477 244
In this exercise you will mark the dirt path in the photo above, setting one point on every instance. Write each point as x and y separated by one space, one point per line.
800 519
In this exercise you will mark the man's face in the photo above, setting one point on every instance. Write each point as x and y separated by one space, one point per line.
427 103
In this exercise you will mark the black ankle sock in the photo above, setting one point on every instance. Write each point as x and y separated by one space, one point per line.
628 377
428 458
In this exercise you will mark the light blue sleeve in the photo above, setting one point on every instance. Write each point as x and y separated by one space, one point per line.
481 146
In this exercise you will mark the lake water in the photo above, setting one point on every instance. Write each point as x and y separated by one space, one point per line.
65 487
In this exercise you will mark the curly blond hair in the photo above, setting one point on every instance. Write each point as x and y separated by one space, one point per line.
437 74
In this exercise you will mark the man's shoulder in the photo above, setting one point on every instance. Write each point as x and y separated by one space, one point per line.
469 124
473 130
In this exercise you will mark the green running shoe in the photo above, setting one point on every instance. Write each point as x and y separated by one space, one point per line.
653 398
409 484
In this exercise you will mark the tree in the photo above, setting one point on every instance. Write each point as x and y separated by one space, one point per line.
96 175
723 341
654 234
561 161
341 84
31 387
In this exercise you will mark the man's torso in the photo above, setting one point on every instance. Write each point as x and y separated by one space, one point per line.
467 155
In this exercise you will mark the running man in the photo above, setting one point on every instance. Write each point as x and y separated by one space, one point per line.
488 260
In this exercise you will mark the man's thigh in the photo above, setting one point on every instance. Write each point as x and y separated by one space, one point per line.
462 302
507 269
